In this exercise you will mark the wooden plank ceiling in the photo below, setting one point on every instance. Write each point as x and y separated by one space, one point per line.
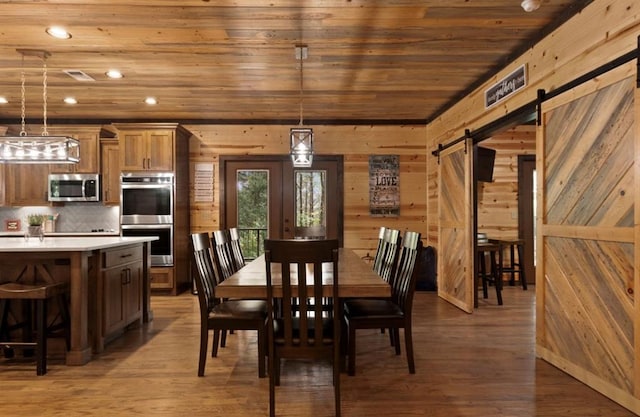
215 61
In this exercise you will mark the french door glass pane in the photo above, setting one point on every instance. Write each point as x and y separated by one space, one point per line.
253 210
310 203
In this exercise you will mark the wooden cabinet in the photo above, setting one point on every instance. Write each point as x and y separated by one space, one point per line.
26 184
110 171
162 278
122 288
147 150
89 138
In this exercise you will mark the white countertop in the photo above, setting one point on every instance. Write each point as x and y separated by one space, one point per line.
62 244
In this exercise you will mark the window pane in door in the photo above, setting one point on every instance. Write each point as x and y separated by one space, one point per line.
310 204
253 210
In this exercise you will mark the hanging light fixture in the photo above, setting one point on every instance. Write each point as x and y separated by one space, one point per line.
301 137
33 149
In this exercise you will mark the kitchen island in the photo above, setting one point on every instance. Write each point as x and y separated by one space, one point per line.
109 282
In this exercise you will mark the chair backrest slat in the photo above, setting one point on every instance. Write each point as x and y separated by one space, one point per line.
404 280
236 249
387 256
222 254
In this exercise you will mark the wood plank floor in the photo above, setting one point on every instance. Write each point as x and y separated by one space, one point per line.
476 365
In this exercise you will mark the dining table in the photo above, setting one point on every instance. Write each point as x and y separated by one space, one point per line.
356 279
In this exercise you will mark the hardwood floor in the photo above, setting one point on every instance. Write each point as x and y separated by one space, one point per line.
479 365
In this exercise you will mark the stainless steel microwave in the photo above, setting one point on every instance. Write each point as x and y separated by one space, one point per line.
74 187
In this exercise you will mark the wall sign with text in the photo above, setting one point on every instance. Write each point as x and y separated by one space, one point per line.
384 187
505 87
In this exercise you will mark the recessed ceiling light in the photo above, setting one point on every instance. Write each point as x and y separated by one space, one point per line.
58 32
3 100
114 73
151 101
530 5
70 100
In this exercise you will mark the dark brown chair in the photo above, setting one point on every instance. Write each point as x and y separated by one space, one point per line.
304 331
220 316
236 249
393 313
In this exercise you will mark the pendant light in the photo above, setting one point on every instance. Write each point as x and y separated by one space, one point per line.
301 138
37 149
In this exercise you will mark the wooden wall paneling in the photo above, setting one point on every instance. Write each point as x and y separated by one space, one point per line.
588 186
576 48
355 143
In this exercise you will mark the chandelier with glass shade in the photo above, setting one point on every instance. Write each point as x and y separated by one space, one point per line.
37 149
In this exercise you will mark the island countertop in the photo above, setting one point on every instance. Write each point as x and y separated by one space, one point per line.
64 244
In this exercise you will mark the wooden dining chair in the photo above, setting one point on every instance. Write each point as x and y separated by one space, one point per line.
302 331
236 249
387 255
220 316
393 313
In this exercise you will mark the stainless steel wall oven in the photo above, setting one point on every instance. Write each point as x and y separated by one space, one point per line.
146 198
161 249
146 209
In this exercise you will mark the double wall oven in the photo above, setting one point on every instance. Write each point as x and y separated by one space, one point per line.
146 209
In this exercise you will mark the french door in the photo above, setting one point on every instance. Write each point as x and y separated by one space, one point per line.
266 197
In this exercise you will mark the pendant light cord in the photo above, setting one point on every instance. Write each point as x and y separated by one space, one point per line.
23 130
45 132
301 85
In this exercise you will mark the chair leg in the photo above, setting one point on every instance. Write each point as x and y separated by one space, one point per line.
351 366
41 341
262 334
223 339
272 386
408 339
204 340
4 327
396 336
336 381
216 343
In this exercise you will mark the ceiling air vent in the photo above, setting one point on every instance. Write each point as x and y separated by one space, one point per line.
78 75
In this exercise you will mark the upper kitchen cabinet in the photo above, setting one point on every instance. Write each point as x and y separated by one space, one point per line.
89 138
110 170
148 147
26 185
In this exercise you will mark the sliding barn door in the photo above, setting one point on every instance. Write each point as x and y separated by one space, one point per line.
455 263
587 316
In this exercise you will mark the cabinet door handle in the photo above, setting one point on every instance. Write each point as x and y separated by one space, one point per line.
123 277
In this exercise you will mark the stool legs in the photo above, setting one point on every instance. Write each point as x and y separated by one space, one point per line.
41 344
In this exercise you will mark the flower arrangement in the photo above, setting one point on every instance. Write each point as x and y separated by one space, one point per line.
36 219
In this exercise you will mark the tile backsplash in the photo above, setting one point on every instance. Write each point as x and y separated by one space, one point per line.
72 217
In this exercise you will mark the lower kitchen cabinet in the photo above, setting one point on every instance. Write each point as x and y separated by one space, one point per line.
162 278
121 273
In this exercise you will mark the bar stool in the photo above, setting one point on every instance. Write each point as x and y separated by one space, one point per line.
38 296
514 267
491 248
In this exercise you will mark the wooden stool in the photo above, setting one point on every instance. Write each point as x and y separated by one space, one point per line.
39 295
495 276
515 267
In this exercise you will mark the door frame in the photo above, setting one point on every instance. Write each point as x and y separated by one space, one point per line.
225 160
